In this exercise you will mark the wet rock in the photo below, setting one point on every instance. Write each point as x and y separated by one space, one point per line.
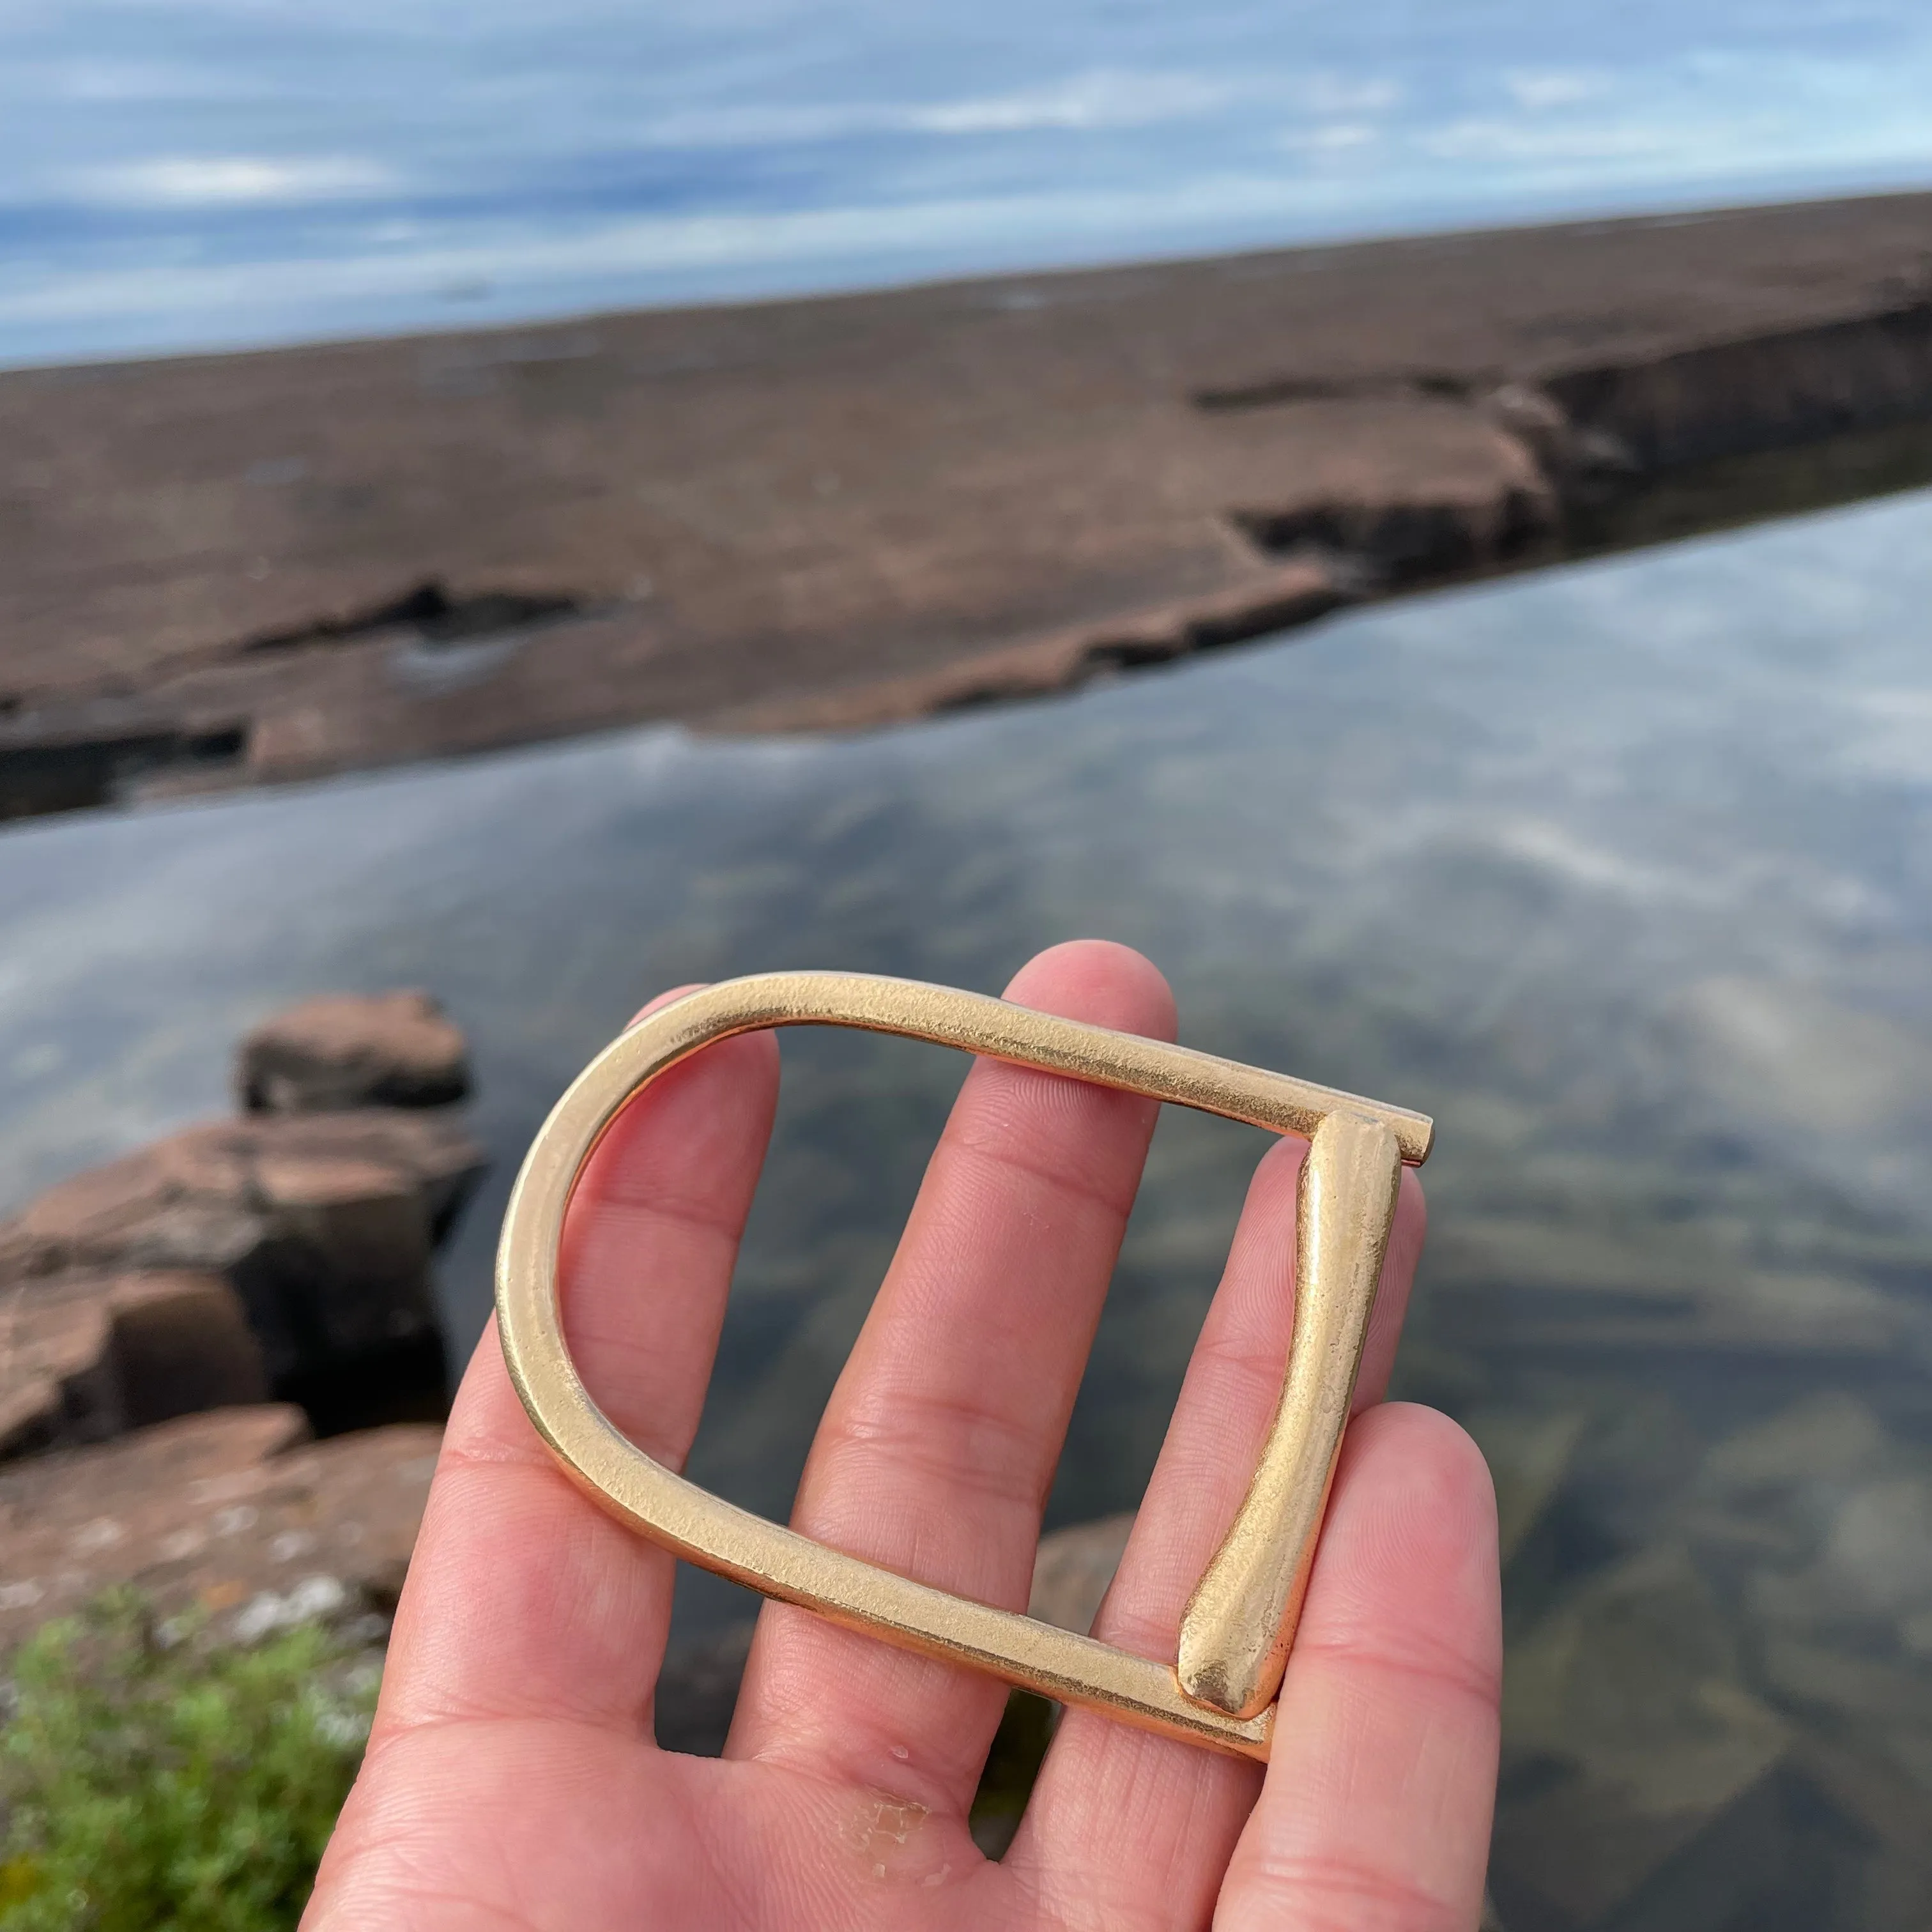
1830 1436
1729 1725
232 1516
1884 1854
1075 1569
347 1050
1626 1474
1873 1694
85 1358
698 1690
1820 1523
1533 1458
1873 1563
1529 1455
324 1224
1635 1756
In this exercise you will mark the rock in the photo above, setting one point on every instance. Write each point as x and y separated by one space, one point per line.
1567 452
1824 1523
85 1358
1529 1456
1074 1569
698 1690
323 1223
346 1050
1889 1886
1870 1694
1636 1758
1874 1563
201 1192
233 1516
1717 1705
1830 1437
795 498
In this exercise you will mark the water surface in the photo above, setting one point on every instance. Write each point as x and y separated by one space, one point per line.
1623 871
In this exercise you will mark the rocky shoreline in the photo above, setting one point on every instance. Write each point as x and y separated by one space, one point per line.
178 1326
835 512
285 1252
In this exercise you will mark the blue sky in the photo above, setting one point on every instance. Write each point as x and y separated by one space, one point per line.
182 173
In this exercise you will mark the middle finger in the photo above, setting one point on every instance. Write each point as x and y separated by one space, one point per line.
939 1444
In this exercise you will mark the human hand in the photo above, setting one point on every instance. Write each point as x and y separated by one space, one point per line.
512 1780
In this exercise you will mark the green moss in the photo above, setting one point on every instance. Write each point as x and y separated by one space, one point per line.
154 1782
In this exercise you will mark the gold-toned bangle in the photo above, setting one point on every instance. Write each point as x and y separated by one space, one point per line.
1239 1625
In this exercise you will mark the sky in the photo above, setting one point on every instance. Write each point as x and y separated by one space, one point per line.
179 174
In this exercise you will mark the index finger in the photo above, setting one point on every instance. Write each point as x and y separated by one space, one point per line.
524 1598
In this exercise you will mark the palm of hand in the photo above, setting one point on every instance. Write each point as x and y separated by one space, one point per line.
512 1782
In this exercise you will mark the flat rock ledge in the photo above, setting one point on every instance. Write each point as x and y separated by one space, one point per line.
234 1517
347 1050
826 513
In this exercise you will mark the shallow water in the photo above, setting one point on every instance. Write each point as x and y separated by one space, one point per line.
1620 871
224 172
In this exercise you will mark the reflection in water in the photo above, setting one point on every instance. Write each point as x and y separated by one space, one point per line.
1621 872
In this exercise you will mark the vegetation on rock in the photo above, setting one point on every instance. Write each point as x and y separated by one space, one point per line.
156 1783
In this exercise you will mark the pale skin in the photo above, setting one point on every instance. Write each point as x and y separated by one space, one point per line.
512 1783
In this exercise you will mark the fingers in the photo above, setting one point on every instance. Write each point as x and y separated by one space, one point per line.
524 1598
939 1444
1117 1814
1375 1813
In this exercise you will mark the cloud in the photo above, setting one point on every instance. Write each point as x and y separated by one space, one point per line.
1478 139
1093 100
228 180
87 81
1104 98
1335 137
1552 87
1341 94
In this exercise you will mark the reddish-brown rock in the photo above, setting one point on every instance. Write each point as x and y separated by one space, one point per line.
347 1050
231 1515
83 1357
222 569
324 1224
